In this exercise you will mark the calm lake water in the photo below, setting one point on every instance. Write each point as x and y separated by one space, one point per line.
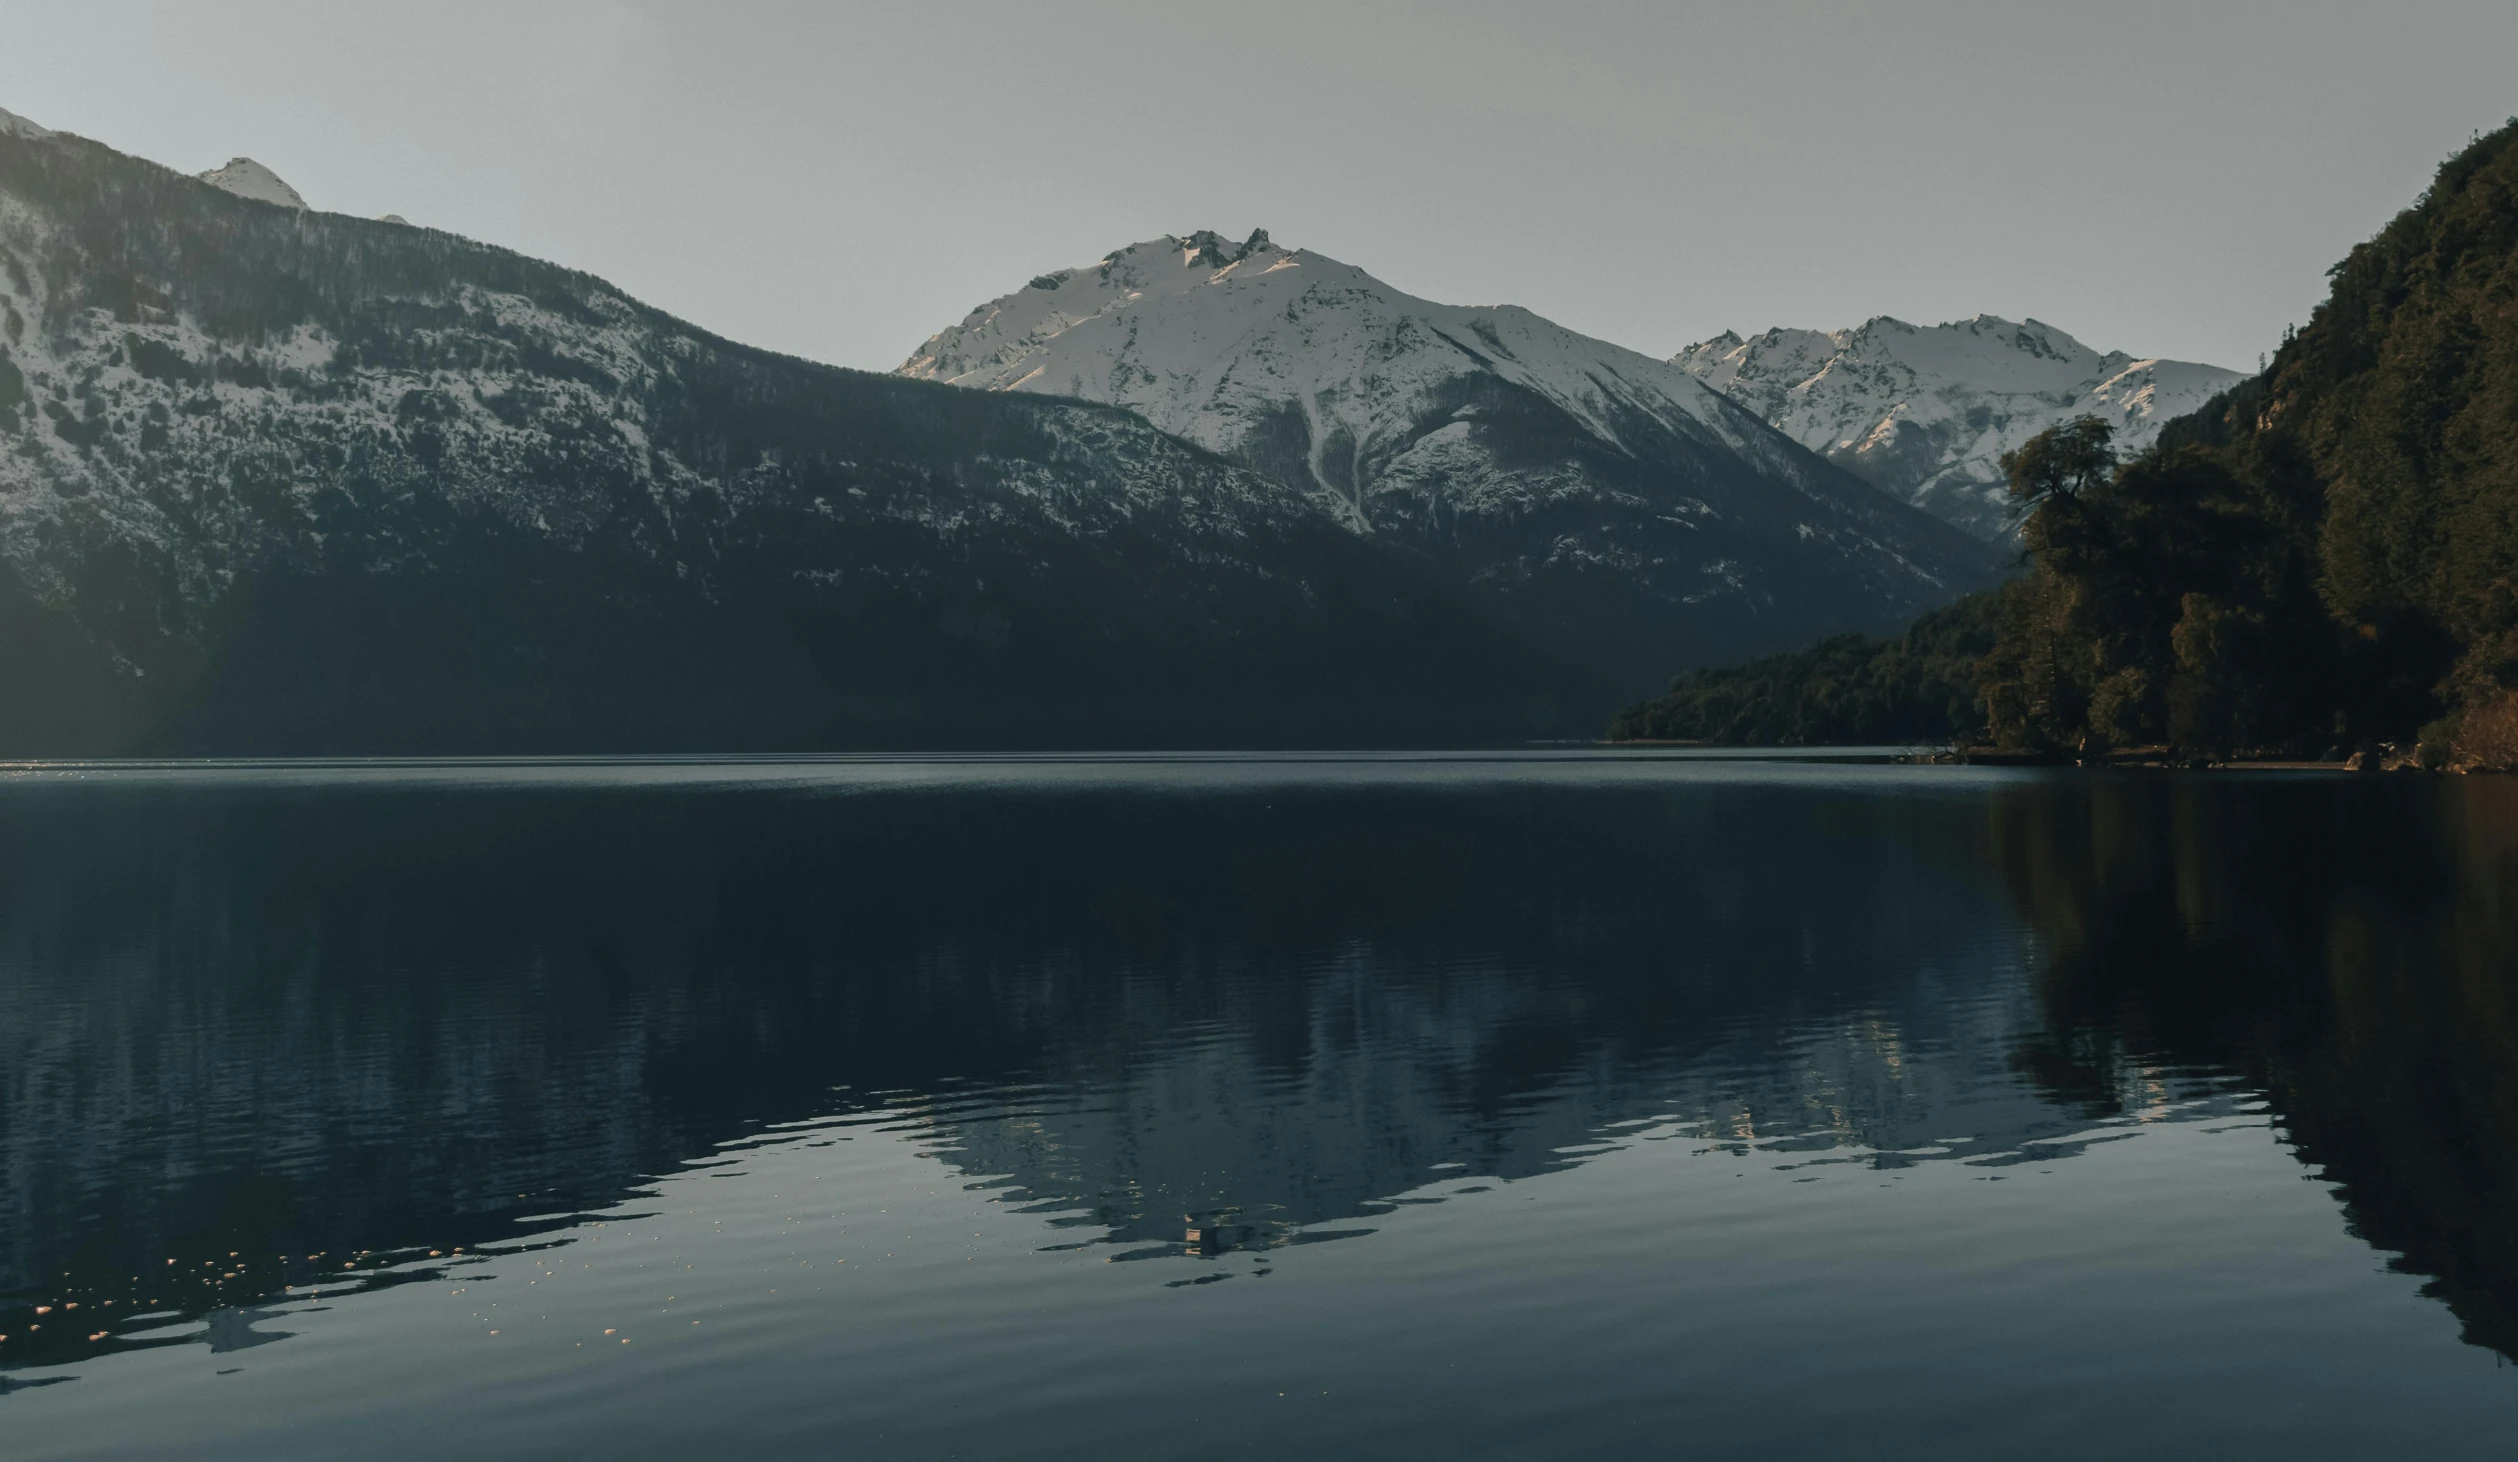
1550 1106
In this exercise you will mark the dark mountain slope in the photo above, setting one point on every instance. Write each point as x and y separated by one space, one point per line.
282 481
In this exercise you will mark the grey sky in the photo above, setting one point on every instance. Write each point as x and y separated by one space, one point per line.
840 181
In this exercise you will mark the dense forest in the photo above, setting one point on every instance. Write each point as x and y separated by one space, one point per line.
2325 556
1852 689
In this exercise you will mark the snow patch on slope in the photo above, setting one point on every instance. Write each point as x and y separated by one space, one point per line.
13 125
1926 412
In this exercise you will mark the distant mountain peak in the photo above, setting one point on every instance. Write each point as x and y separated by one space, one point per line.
1212 338
1925 412
13 125
247 178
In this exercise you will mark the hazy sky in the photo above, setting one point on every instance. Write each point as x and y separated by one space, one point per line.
841 181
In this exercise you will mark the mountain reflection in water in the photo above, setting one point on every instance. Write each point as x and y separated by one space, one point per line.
257 1032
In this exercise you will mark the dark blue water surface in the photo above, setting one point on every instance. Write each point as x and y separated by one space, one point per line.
1562 1105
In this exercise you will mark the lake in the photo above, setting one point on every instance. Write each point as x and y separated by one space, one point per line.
1552 1105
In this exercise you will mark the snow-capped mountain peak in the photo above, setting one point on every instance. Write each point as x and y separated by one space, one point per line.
1215 340
247 178
1533 458
13 125
1926 412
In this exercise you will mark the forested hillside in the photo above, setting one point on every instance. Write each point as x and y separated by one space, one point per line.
2325 555
1917 688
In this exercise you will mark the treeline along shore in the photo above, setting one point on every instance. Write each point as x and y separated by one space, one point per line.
2320 563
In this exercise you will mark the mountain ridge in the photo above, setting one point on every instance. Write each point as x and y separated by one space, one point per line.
1925 412
285 481
1540 461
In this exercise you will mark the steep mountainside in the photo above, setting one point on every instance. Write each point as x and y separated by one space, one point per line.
2382 443
1644 518
2401 394
1925 413
277 480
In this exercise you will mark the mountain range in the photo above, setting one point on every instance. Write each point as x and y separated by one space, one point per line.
281 480
1625 506
1924 413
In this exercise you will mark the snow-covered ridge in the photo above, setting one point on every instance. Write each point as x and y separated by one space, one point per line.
1215 341
13 125
247 178
1926 412
106 412
1498 443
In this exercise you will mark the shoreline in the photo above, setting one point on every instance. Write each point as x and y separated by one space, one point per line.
2138 758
